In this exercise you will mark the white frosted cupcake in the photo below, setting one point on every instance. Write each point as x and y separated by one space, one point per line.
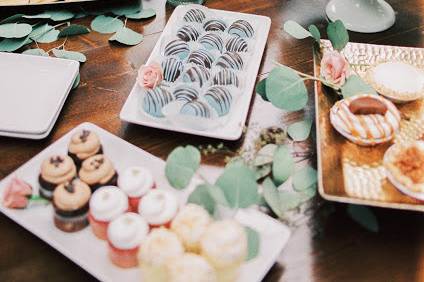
190 224
191 268
224 245
106 204
125 234
158 208
160 246
136 182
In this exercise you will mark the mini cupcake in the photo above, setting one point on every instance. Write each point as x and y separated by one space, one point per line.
159 248
190 224
125 234
191 268
84 144
70 203
55 170
106 204
158 207
224 245
136 182
98 171
365 119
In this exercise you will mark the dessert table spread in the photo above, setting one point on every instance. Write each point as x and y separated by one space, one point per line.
324 246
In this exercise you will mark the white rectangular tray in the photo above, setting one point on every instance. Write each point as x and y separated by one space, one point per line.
232 130
39 220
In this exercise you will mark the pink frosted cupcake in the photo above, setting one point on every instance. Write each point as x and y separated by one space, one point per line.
158 208
136 182
106 204
124 235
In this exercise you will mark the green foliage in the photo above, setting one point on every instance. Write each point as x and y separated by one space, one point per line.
296 30
253 243
181 165
106 24
283 164
299 131
15 30
74 29
127 36
261 89
364 217
12 19
43 15
355 85
76 81
200 196
304 178
60 15
337 34
48 37
36 52
315 33
265 155
143 14
70 55
128 9
13 44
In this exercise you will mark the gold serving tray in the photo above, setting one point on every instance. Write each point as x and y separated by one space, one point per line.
350 173
38 2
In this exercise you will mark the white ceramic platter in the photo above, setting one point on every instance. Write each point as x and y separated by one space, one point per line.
39 220
233 126
33 90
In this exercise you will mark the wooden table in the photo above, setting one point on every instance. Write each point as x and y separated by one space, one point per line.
323 248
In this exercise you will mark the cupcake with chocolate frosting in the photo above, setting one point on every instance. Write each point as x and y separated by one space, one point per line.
83 145
158 208
55 170
70 203
98 171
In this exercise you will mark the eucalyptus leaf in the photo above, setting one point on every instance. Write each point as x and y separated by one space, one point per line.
39 30
237 161
265 155
364 217
44 15
127 36
80 14
304 178
60 15
143 14
15 30
76 81
263 171
128 9
12 19
272 197
289 200
13 44
106 24
283 164
253 243
337 34
286 90
200 196
299 131
74 29
315 32
36 52
217 195
70 55
181 165
239 186
296 30
308 193
48 37
261 89
355 85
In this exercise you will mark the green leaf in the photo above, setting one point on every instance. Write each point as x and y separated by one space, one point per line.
337 34
60 15
128 9
127 36
106 24
364 217
261 89
304 178
181 165
48 37
15 30
272 197
70 55
286 90
80 14
217 195
39 30
44 15
355 85
74 29
36 52
12 19
13 44
253 243
299 131
315 32
265 155
308 193
262 171
76 81
200 196
283 165
239 186
289 200
143 14
296 30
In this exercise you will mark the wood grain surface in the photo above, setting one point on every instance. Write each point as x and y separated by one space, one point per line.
324 247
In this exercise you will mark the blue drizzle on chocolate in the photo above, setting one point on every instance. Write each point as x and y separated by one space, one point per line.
155 100
212 41
172 69
219 98
196 108
178 48
185 93
241 28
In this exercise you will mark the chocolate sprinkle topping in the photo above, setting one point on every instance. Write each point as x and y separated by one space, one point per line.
70 187
96 163
56 161
84 135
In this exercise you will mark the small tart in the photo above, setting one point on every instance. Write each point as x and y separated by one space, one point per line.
107 203
84 144
158 207
71 195
398 81
58 169
136 181
191 268
365 129
405 167
127 231
97 169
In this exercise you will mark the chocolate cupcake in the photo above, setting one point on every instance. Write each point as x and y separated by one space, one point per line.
83 145
55 170
98 171
70 203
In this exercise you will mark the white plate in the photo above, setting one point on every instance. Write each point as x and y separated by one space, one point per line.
33 90
232 130
39 220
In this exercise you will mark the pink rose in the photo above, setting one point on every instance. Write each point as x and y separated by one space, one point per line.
334 68
16 194
149 76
